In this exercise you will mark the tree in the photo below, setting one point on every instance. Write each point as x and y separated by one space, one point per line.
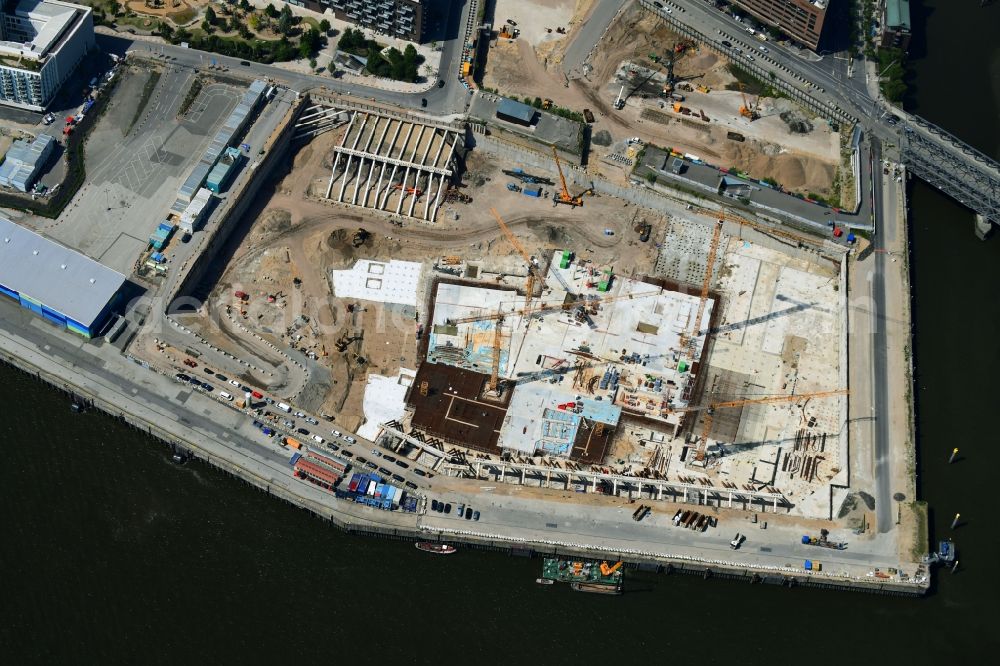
285 22
245 5
324 26
206 26
312 63
332 66
286 11
166 30
270 11
254 22
210 16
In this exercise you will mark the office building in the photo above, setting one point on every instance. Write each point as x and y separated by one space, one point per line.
802 20
41 43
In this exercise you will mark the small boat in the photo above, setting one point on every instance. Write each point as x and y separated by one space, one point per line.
544 581
436 548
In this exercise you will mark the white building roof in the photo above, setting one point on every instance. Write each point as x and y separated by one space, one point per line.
60 278
49 20
392 282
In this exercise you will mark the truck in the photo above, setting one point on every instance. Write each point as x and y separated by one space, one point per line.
588 116
532 191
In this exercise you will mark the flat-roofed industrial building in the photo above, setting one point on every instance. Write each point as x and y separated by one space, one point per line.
60 285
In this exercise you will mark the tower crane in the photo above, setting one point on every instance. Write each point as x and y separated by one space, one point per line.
689 339
710 408
533 275
564 197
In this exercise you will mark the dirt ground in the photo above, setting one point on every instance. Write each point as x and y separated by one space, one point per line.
529 67
300 236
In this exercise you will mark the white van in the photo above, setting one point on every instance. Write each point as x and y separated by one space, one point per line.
319 440
225 396
285 408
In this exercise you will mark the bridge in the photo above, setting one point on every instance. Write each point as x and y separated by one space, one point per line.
952 166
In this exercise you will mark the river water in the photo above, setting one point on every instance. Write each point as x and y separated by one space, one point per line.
110 552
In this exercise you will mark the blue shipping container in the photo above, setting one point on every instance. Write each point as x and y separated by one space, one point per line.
537 192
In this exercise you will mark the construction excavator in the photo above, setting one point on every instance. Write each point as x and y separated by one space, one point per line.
747 110
344 340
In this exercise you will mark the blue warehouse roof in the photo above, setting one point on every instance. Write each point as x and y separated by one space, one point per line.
59 278
513 109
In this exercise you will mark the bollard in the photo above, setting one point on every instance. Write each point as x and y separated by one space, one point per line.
954 454
954 523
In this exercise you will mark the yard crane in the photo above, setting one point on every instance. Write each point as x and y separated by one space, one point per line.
747 110
564 197
710 408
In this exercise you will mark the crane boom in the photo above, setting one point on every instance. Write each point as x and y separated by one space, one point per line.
691 337
494 382
706 424
533 277
564 196
547 307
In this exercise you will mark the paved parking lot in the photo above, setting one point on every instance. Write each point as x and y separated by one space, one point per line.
133 178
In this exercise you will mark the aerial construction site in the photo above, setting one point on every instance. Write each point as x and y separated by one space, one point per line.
573 283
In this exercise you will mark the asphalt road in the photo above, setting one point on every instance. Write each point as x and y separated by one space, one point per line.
452 98
590 33
879 347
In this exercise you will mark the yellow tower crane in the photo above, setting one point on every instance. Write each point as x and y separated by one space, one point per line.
710 408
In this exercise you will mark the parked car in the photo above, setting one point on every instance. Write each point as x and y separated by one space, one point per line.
302 431
235 383
222 378
411 485
311 420
397 477
468 513
447 508
419 472
434 505
206 386
389 458
475 515
737 541
208 371
402 464
346 454
181 377
460 510
383 470
362 460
